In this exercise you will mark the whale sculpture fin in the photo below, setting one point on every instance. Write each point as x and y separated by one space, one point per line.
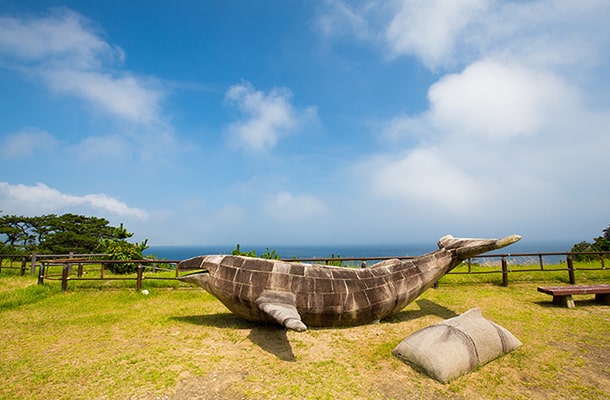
466 247
281 307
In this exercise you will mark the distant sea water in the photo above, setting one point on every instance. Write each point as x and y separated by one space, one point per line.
325 251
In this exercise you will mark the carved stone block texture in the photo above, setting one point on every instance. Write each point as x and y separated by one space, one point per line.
320 295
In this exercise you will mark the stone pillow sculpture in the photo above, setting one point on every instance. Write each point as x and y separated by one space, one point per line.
456 346
295 295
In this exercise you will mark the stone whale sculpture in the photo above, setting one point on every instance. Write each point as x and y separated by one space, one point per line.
295 294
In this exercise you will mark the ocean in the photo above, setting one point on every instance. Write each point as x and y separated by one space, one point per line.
325 251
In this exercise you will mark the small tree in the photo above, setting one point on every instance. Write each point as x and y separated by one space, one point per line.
120 249
69 233
72 233
15 232
269 254
600 243
55 234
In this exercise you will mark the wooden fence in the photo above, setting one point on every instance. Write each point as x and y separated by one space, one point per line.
72 265
504 261
22 263
34 258
570 268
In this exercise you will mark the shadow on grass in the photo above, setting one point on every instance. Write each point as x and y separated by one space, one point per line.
426 307
577 303
270 338
273 339
229 320
219 320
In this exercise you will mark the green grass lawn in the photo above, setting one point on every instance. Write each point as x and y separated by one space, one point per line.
105 340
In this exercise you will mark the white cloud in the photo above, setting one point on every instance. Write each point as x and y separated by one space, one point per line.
492 100
405 126
27 142
528 151
285 206
425 178
69 55
441 33
549 33
429 29
494 136
122 95
448 33
489 100
95 148
41 199
342 19
62 37
516 128
268 116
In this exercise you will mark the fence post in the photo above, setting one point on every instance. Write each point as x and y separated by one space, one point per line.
33 264
41 274
571 269
140 277
23 266
64 278
504 272
601 257
80 270
540 260
1 264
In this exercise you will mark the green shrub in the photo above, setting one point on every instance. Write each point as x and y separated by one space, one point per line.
123 250
269 254
600 243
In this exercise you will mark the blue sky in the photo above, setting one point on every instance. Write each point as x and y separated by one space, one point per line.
301 122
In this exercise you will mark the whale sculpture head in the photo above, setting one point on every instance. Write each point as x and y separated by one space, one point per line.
202 277
294 294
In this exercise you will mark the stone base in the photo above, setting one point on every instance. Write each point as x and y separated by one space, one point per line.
564 301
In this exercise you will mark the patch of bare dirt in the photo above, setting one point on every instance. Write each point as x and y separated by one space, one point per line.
215 386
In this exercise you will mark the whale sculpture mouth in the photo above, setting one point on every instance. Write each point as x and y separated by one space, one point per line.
199 278
203 271
464 248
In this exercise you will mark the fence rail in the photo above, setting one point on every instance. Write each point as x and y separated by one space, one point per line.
67 270
71 262
34 257
569 262
22 263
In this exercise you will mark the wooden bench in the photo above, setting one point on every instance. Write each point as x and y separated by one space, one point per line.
562 295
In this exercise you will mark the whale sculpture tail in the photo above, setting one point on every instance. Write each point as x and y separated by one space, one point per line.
463 248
